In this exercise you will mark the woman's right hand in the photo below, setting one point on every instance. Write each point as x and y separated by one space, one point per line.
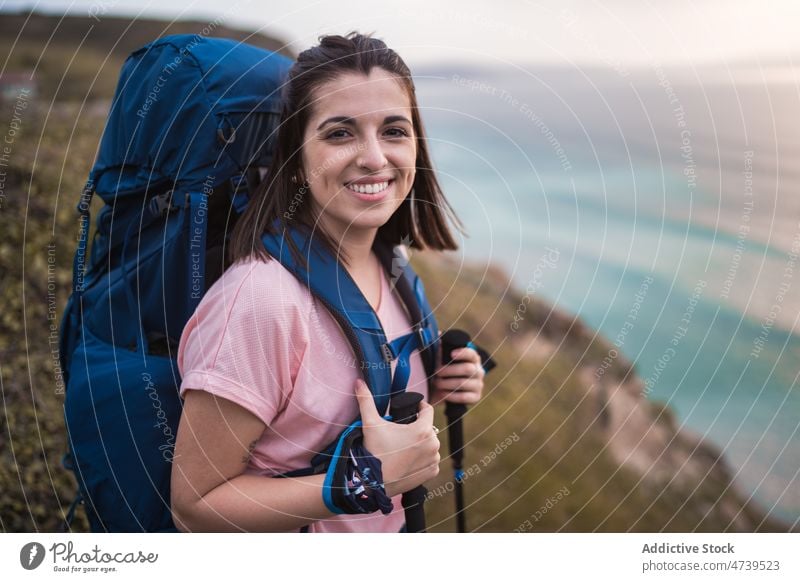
409 453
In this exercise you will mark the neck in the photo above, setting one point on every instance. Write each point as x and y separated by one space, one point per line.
357 245
359 251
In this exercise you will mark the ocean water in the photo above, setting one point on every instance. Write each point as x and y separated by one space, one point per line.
670 199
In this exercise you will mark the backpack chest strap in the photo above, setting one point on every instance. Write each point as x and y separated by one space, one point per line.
401 348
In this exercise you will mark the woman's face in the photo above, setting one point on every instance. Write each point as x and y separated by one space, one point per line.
359 151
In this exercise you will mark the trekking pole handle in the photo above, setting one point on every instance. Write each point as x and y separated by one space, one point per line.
403 408
454 339
451 340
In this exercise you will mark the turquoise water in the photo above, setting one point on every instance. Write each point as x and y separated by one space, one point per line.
659 176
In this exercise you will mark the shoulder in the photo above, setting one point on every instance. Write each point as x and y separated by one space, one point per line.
255 294
259 283
259 273
251 305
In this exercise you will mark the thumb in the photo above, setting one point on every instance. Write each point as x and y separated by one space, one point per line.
366 404
425 413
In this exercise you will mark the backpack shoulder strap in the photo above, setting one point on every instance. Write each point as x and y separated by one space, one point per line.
329 282
412 292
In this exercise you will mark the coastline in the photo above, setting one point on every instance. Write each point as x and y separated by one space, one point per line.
601 397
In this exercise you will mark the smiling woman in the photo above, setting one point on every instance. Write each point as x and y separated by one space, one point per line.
266 363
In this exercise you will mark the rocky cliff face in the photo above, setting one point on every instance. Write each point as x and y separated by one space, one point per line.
644 438
667 478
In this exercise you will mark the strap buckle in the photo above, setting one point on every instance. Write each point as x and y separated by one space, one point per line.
420 330
422 333
231 137
161 204
388 355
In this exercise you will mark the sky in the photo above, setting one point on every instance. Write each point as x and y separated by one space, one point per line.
616 33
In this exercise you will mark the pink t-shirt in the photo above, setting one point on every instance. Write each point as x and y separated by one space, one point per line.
260 339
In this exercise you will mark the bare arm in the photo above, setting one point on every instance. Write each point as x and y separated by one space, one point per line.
215 438
209 490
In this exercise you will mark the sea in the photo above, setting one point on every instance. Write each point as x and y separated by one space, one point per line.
661 205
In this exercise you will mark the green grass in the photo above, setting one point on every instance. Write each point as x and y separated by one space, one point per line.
48 163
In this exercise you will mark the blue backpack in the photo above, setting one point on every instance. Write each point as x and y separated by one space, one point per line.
192 121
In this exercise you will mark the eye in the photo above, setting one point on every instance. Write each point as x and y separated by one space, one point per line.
337 134
397 132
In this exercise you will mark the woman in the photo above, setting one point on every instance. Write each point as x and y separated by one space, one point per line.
265 371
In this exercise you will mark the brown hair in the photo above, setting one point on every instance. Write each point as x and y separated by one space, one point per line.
277 198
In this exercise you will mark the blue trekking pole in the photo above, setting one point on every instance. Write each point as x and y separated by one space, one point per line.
452 340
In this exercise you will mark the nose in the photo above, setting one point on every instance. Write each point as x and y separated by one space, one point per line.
370 155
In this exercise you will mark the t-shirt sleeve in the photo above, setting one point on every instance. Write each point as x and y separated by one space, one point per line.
246 339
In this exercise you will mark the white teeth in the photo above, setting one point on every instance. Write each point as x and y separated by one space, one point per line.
369 188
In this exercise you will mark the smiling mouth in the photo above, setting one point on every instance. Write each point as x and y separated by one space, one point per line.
375 188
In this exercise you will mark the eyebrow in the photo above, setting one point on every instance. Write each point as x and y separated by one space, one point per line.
351 121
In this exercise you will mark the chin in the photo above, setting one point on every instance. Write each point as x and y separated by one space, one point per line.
377 222
374 218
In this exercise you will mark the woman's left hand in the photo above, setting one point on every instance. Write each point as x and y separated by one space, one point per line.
460 382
